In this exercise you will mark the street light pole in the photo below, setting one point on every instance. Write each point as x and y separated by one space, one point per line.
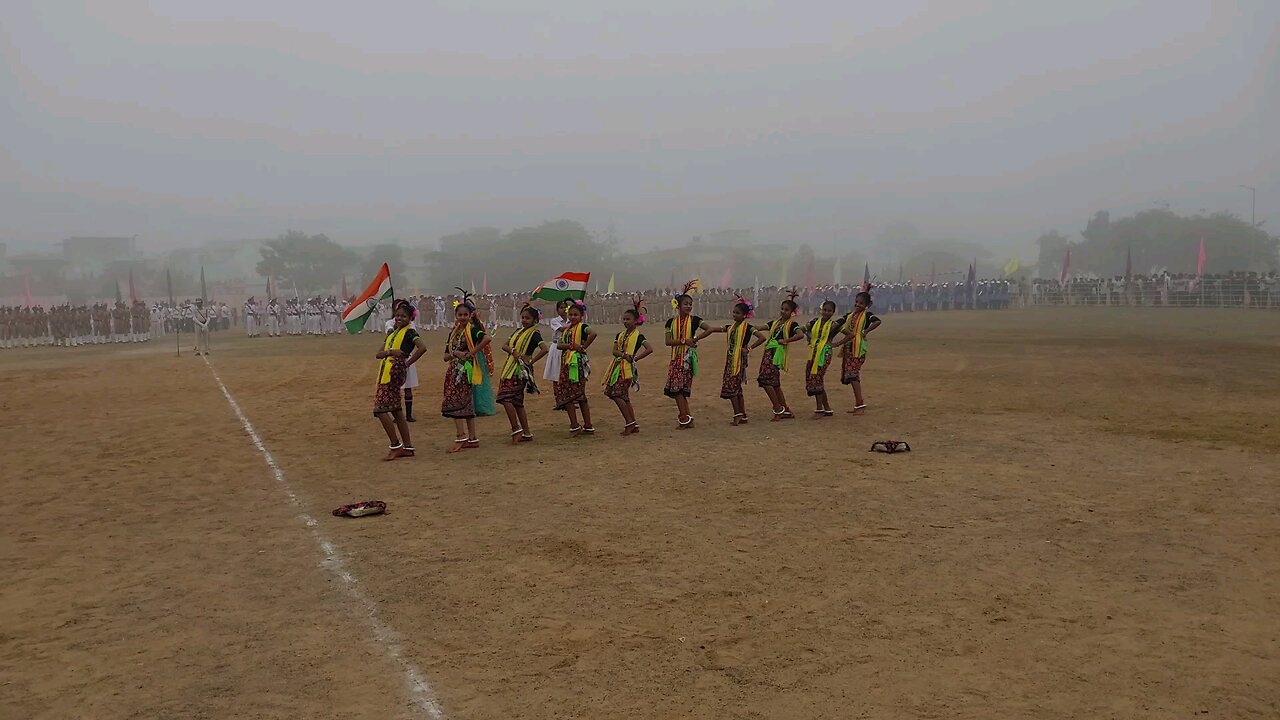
1253 219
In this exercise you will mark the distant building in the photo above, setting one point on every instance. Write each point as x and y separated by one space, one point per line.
93 255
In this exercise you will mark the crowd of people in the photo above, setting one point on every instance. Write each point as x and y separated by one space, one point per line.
503 310
70 325
469 389
1236 289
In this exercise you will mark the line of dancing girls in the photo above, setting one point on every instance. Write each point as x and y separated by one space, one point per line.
466 378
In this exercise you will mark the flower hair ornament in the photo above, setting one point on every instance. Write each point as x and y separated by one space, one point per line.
580 304
637 303
690 288
751 309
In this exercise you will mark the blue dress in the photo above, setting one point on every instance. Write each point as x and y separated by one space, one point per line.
482 394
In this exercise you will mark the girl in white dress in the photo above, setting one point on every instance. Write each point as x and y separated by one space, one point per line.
551 371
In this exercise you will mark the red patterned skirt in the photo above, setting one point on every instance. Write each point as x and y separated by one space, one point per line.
569 393
511 392
850 368
386 399
456 400
770 374
679 379
731 385
815 383
620 390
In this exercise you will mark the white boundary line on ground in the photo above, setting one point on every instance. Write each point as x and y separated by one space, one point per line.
420 692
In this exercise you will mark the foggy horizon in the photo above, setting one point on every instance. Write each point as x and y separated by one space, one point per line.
983 122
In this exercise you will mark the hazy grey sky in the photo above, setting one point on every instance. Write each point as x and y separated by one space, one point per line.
989 121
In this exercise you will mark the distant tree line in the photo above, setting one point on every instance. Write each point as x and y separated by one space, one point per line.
1160 240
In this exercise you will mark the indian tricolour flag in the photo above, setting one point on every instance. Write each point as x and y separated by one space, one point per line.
566 286
357 313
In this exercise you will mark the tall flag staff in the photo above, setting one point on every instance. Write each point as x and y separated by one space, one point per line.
173 310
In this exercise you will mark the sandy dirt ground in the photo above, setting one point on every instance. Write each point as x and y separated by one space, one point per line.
1089 526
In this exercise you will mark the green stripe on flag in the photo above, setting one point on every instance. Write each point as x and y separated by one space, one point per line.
356 322
554 295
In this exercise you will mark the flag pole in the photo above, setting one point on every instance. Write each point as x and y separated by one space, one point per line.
173 308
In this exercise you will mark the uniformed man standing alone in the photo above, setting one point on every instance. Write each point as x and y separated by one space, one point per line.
201 318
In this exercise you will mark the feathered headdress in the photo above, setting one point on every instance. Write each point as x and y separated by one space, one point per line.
751 309
637 302
465 301
792 294
690 288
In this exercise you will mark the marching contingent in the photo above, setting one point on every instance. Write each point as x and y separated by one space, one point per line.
74 325
70 325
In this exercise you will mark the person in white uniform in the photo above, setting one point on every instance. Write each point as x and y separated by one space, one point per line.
551 371
200 317
251 317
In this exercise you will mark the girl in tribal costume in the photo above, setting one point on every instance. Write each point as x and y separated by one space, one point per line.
853 347
483 391
464 355
683 333
820 332
780 334
629 347
743 337
524 348
575 368
400 350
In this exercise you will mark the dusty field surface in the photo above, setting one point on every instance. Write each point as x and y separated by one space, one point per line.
1089 526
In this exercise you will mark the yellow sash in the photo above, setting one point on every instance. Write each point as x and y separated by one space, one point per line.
474 374
625 343
737 338
393 342
681 329
519 342
573 359
778 347
856 324
818 343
